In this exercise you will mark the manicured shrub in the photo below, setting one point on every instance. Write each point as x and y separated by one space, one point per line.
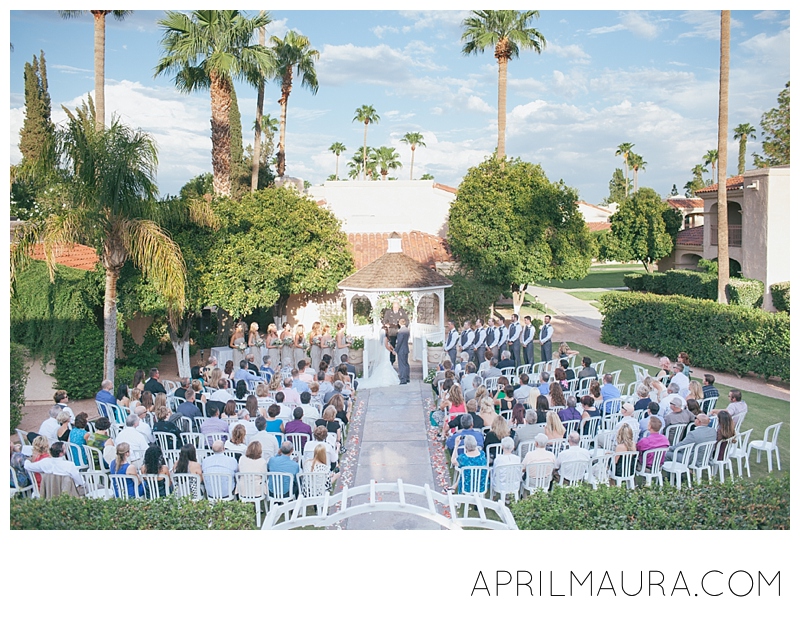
19 379
735 505
634 281
780 296
746 292
74 513
79 365
716 336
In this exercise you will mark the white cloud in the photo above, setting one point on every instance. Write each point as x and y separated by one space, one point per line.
767 48
639 24
71 70
378 31
277 28
607 29
435 19
571 52
569 85
705 24
768 15
476 104
353 64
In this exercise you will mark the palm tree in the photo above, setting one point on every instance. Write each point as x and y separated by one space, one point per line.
637 163
208 50
723 266
292 53
99 56
507 32
624 149
262 41
366 114
387 158
337 148
711 158
742 133
107 178
413 139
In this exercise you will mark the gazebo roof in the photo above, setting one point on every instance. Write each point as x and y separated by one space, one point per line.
395 271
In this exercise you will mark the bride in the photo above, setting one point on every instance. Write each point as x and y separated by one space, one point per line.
383 373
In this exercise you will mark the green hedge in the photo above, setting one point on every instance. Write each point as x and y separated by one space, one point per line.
72 513
696 284
79 364
19 379
716 336
735 505
780 296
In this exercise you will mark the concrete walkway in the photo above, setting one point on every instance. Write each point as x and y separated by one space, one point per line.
565 304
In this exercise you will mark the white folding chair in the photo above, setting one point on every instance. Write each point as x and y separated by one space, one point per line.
97 485
250 489
679 465
675 433
583 387
313 484
165 441
524 447
612 406
219 487
627 469
589 426
151 487
297 444
280 487
492 451
600 468
538 477
119 483
573 473
640 372
571 426
740 451
556 446
17 488
187 485
707 404
474 480
76 455
198 440
769 445
212 437
656 464
23 437
94 457
722 457
598 367
702 458
505 480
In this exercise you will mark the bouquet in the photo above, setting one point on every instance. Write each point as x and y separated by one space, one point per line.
241 347
288 342
259 342
276 342
316 340
331 345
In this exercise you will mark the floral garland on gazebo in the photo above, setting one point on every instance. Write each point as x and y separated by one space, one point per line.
385 301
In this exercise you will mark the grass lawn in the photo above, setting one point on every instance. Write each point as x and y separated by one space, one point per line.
591 296
600 276
762 411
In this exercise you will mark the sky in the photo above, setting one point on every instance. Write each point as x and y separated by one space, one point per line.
605 77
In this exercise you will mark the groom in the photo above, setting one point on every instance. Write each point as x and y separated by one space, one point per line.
401 350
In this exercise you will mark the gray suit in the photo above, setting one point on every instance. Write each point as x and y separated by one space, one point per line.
700 434
401 350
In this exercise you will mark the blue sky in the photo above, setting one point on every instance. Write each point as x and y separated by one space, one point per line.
605 77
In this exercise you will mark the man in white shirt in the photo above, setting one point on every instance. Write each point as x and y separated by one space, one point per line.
572 454
222 395
49 427
467 377
143 427
451 341
546 339
131 435
479 344
219 463
269 444
62 401
466 340
514 333
522 393
249 426
680 379
310 412
57 465
664 403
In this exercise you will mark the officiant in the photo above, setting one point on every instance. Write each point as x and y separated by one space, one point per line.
391 319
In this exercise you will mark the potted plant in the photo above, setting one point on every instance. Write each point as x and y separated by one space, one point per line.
435 352
357 351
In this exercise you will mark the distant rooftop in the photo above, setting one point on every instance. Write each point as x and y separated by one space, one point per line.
424 248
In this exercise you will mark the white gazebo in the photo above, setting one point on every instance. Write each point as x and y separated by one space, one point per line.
393 273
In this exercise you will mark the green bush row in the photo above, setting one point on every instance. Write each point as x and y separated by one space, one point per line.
716 336
696 284
19 379
74 513
780 296
735 505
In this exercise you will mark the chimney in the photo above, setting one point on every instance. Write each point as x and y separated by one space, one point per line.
395 244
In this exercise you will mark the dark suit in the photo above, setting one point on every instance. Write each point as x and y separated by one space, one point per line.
401 350
154 387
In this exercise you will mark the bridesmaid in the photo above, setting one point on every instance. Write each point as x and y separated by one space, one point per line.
286 349
299 344
341 345
316 344
328 343
273 350
237 339
253 339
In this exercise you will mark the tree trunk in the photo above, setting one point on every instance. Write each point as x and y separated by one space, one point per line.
100 69
110 323
625 156
180 342
337 167
221 134
224 328
364 152
411 174
647 266
518 297
502 83
262 40
722 149
742 154
286 89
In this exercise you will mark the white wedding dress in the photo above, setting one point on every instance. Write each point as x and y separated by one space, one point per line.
383 373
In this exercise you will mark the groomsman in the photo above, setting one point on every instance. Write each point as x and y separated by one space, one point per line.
491 338
546 339
451 341
480 342
467 338
514 332
502 339
526 340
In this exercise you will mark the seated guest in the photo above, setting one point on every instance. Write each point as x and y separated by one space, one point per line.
485 416
693 406
542 407
524 390
596 393
736 407
339 404
283 463
305 373
589 411
223 394
570 412
467 430
528 431
498 432
298 426
297 383
263 399
64 428
330 422
266 369
274 423
155 464
654 440
321 436
709 391
100 438
252 462
61 399
106 394
319 464
187 461
243 373
586 368
678 414
650 411
468 455
310 412
544 383
121 465
237 442
220 463
40 449
189 408
505 360
153 385
214 424
131 435
666 401
556 395
695 391
324 386
477 382
609 390
338 388
163 425
664 366
57 465
561 378
229 414
573 453
625 443
468 376
680 379
568 372
180 391
269 444
123 399
643 394
143 427
507 456
491 369
285 409
540 454
701 433
554 429
251 363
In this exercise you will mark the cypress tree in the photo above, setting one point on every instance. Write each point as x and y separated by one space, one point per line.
37 130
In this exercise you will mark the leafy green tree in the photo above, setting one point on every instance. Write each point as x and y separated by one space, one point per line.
357 165
607 247
426 177
617 188
37 129
337 148
366 114
240 170
697 181
775 130
292 54
674 190
624 150
743 133
640 228
413 139
387 158
208 50
108 181
510 226
272 244
507 32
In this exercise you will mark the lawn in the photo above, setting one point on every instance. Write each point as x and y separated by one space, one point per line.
591 296
762 411
600 276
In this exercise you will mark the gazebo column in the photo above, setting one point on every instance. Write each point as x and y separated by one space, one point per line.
348 296
440 295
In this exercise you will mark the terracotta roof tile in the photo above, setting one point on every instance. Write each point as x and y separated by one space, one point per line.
76 256
424 248
686 204
595 226
445 188
736 182
690 236
395 271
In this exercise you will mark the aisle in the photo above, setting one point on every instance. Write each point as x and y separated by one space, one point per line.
394 444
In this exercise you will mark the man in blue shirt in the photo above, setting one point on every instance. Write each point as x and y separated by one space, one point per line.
609 390
220 463
106 394
283 463
243 374
467 428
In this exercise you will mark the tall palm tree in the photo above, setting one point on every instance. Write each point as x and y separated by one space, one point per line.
366 114
743 133
624 149
711 158
262 41
292 54
508 32
99 56
723 266
413 139
337 148
107 177
357 164
208 50
637 163
387 158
